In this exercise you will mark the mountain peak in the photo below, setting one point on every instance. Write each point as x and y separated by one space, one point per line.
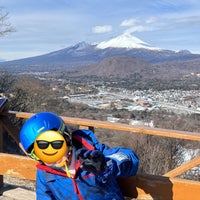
81 45
125 40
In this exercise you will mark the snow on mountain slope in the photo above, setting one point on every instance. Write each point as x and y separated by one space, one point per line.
125 41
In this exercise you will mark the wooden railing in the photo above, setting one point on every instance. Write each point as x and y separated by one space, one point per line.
141 186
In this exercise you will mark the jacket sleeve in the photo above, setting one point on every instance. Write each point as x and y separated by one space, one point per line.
121 162
42 191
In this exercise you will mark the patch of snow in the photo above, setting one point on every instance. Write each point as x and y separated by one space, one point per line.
185 155
126 40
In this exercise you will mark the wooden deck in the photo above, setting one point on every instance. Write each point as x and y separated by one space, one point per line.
143 186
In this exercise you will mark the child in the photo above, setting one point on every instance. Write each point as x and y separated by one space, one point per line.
74 165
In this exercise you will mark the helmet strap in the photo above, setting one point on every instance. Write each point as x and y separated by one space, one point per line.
65 132
33 155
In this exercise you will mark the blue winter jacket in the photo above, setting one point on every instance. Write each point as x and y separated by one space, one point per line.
52 184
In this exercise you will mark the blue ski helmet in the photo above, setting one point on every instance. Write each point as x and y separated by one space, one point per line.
39 123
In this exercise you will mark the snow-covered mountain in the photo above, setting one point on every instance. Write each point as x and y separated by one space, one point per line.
82 54
126 40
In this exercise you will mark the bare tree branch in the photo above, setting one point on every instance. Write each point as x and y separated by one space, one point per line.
5 26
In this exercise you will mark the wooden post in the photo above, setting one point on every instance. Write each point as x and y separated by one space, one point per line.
87 127
3 107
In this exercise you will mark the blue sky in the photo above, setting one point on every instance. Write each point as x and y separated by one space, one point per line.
44 26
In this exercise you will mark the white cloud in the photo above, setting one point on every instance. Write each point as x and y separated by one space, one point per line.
102 29
129 22
151 20
135 29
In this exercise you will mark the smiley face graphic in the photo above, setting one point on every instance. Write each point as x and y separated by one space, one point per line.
50 146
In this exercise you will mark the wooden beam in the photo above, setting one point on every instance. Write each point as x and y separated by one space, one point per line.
152 187
17 166
183 168
118 126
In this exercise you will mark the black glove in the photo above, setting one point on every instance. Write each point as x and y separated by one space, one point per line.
91 160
